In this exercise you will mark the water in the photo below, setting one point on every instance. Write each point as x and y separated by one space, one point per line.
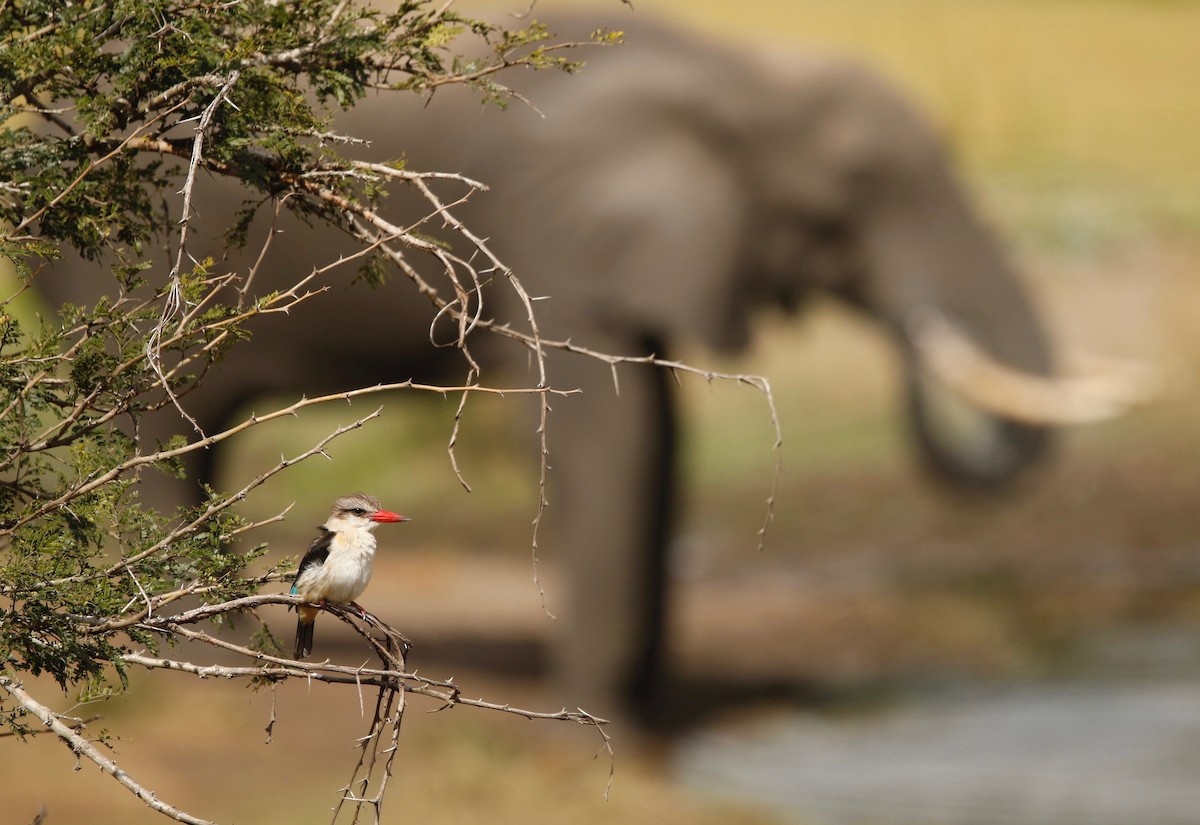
1085 753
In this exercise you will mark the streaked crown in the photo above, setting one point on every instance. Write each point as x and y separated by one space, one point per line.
355 504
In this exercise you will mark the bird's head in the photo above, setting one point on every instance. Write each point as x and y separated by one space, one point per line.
359 511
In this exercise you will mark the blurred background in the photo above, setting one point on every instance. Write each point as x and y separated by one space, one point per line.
1032 658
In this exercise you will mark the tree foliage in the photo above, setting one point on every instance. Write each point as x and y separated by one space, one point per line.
111 109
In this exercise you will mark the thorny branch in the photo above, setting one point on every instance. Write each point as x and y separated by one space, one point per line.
374 231
378 746
150 459
82 747
326 188
173 299
465 308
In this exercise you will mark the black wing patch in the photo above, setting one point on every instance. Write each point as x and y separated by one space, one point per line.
318 551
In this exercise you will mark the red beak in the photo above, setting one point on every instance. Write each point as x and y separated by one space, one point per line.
385 515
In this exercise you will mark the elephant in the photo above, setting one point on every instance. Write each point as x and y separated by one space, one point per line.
665 195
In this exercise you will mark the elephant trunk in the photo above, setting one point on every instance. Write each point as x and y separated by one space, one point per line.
929 258
982 383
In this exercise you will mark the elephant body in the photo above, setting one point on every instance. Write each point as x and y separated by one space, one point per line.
672 189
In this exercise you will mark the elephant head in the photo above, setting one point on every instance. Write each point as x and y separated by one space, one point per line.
913 248
670 193
675 190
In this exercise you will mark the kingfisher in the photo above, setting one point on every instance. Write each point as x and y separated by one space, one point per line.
337 566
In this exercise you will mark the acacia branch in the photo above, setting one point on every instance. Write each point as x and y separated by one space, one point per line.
59 432
81 747
73 724
129 142
392 680
430 81
758 382
173 300
469 315
175 327
211 511
276 668
160 456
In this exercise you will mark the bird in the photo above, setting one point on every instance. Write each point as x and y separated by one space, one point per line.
337 566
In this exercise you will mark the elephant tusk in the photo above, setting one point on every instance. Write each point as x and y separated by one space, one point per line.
1106 390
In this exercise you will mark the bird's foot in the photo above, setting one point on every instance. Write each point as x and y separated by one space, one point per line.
359 608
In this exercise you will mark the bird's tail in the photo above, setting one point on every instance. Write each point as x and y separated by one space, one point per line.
305 624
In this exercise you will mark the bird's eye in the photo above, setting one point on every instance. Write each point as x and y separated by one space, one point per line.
358 511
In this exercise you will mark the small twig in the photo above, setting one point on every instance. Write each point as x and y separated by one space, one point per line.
458 414
130 141
605 747
73 724
173 301
208 441
270 729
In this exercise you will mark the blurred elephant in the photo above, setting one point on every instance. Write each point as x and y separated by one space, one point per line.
670 191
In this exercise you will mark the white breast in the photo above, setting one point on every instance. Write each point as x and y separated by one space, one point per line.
344 575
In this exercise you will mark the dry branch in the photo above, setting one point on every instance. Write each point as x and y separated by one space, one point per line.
369 779
82 747
144 609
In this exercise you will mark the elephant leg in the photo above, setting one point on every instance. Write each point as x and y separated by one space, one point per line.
611 506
